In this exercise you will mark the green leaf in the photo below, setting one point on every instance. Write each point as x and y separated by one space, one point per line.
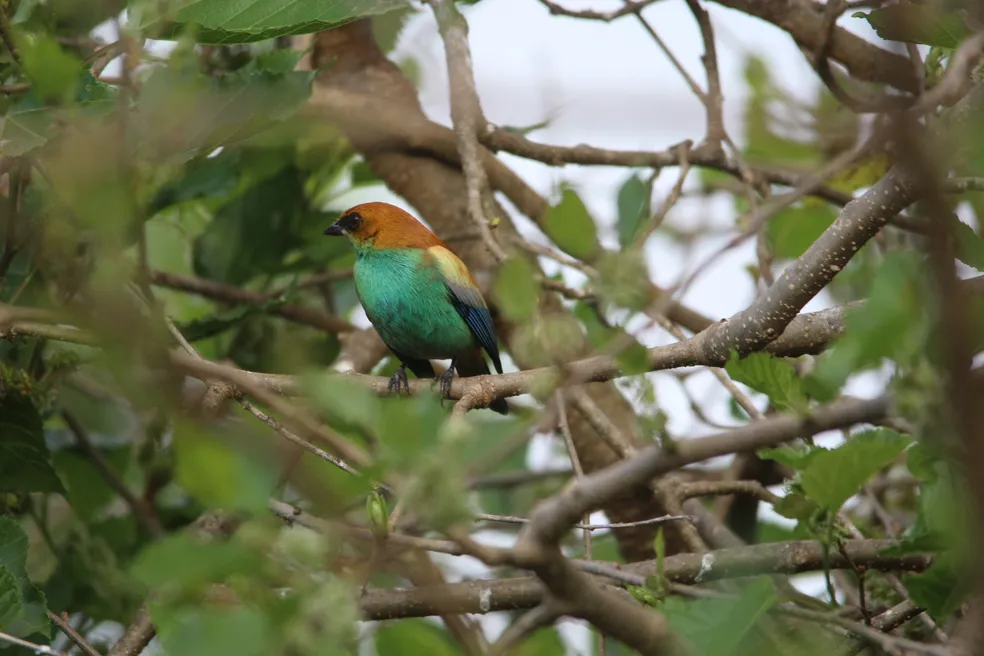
204 631
717 627
893 322
918 24
659 583
795 456
31 616
634 359
88 492
184 115
207 177
246 21
25 464
943 516
251 234
659 548
832 477
941 588
544 642
215 324
345 400
771 532
969 246
571 227
796 506
516 292
387 27
26 127
774 377
219 475
10 602
184 562
633 208
863 173
764 139
923 462
54 73
623 279
412 637
794 229
645 594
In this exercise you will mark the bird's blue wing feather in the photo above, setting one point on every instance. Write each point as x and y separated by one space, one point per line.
470 305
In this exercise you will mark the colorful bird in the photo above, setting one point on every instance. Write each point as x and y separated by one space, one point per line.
420 297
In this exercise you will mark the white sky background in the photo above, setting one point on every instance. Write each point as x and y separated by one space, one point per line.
610 86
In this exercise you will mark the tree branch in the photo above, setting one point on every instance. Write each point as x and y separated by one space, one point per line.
466 115
137 636
236 295
804 22
792 557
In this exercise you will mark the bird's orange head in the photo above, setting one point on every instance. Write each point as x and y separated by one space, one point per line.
381 226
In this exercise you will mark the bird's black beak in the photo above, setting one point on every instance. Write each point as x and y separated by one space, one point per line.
333 230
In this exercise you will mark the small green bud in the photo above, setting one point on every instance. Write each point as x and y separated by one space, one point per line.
377 513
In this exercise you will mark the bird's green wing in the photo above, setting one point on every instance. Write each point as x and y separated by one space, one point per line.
467 300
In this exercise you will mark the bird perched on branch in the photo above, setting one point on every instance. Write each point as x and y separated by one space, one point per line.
420 297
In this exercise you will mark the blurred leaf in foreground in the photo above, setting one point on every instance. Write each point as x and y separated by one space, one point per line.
774 377
22 605
571 227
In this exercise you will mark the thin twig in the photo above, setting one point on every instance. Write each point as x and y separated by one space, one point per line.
36 648
630 7
543 615
61 621
228 294
565 431
265 418
892 644
513 519
143 512
466 115
714 98
605 427
700 93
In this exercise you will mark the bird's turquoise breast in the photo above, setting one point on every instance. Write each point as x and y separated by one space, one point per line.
407 302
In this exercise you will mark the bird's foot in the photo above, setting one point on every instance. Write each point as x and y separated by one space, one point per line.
444 382
398 380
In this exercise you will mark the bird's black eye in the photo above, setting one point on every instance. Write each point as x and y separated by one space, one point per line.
350 222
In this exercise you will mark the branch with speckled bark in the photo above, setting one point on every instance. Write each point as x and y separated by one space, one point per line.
793 557
860 220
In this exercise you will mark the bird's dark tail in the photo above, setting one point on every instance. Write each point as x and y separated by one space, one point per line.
474 364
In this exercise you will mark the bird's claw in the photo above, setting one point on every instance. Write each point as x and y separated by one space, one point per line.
444 383
398 380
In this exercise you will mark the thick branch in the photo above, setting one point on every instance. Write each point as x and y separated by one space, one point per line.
526 592
551 518
860 220
803 20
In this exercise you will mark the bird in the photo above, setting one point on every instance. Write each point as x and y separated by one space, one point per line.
420 297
